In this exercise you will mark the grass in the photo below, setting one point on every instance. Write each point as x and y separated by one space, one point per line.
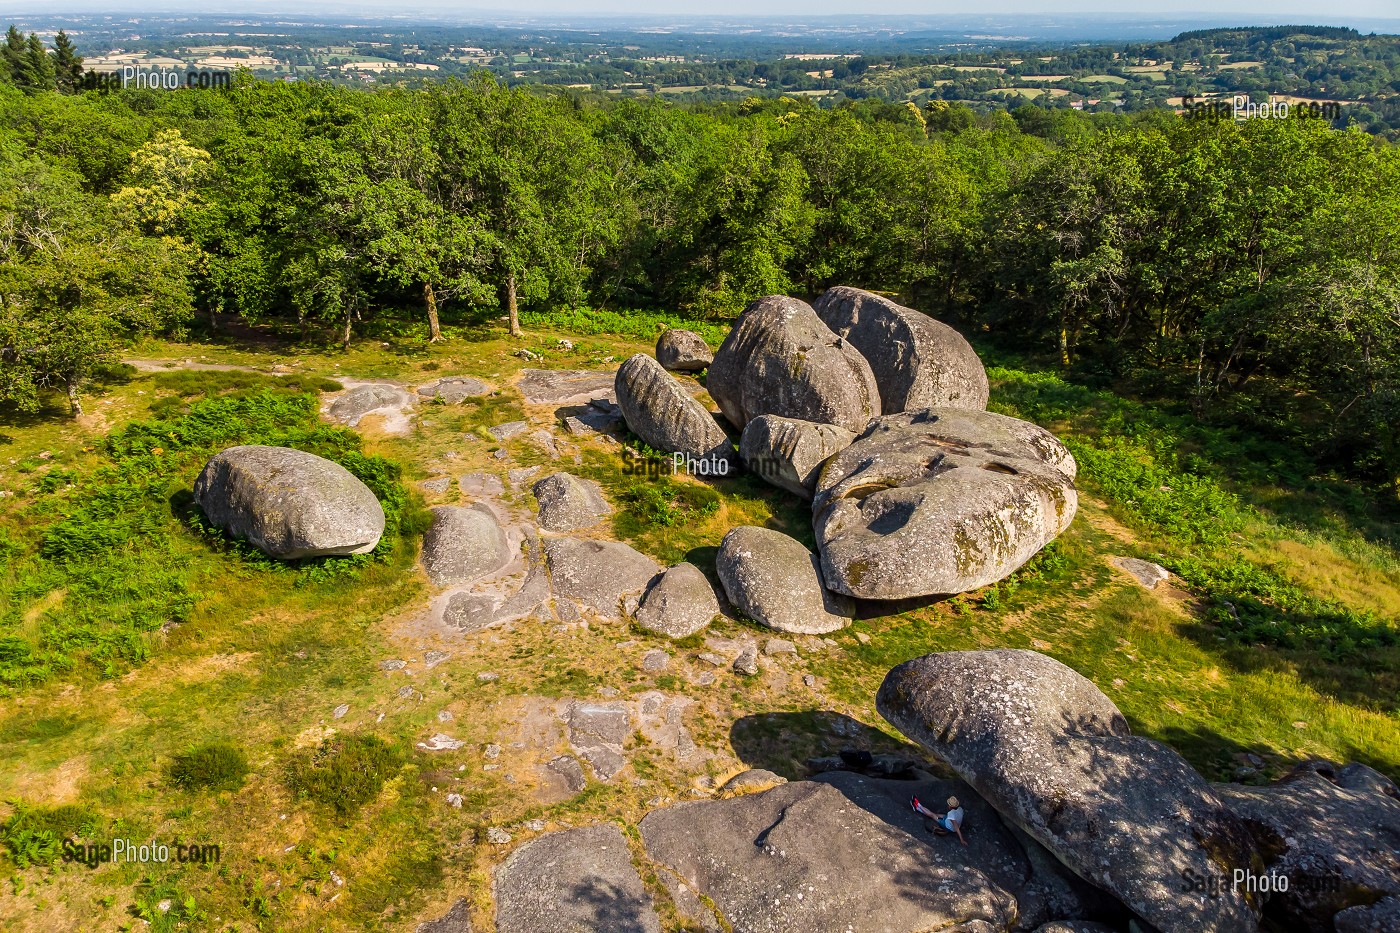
93 725
212 766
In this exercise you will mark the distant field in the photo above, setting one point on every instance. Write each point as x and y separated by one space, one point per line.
1104 79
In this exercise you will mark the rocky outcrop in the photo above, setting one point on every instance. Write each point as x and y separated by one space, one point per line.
801 858
463 545
679 603
1055 757
1338 846
940 501
288 503
661 412
774 580
598 574
568 503
452 390
789 453
376 398
918 362
780 359
565 386
683 351
579 879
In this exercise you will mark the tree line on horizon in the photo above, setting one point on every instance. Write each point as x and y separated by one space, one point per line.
1251 270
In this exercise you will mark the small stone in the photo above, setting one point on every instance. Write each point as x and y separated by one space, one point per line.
705 678
502 432
454 800
709 657
519 476
655 660
441 742
165 905
863 638
340 711
535 826
445 716
1298 724
481 484
405 692
497 836
492 752
778 646
394 665
808 680
501 454
439 484
1145 572
608 691
487 677
747 661
434 658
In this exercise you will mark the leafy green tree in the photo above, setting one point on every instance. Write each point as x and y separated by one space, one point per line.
38 67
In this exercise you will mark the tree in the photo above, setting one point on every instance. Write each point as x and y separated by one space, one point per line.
13 56
38 67
67 63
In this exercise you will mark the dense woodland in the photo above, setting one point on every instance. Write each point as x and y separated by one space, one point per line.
1250 271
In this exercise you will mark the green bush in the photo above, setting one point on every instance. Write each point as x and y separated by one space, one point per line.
211 766
663 502
34 835
345 772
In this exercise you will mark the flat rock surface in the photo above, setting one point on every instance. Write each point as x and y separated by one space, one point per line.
1056 758
454 389
576 881
456 920
1144 571
566 386
289 503
802 858
390 401
918 362
598 574
774 580
940 501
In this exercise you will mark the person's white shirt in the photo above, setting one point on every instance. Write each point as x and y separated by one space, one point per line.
954 818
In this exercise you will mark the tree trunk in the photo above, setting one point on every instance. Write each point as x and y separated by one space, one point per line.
213 320
1064 345
511 306
434 331
72 388
345 337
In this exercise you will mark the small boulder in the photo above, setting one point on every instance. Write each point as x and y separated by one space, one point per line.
598 574
752 781
780 359
681 602
683 351
789 453
463 545
568 503
454 389
940 501
774 580
661 412
918 362
352 406
1144 571
747 661
1054 755
288 503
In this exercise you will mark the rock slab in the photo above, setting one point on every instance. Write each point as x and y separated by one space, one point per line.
918 362
598 574
790 453
288 503
661 412
573 881
774 580
780 359
1056 758
940 501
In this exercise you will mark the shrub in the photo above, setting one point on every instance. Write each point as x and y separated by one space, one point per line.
34 835
345 772
212 766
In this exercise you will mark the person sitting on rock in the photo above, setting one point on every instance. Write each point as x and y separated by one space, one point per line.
943 824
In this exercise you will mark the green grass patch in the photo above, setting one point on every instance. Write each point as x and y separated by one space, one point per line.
34 835
345 772
638 325
211 766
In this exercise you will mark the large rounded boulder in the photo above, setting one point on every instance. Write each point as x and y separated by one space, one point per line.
464 544
1056 758
777 582
940 501
683 351
789 453
780 359
568 503
679 603
918 362
288 503
661 412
